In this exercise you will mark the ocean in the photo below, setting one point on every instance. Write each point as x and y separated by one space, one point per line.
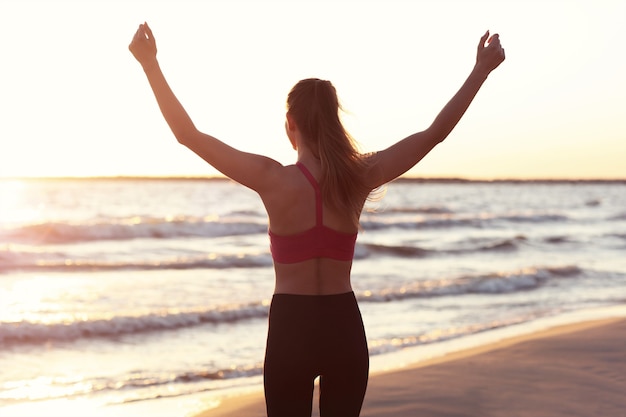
121 296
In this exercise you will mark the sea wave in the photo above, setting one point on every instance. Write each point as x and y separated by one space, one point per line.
491 283
27 258
417 210
619 216
143 384
12 260
27 332
127 228
381 346
130 228
474 220
497 244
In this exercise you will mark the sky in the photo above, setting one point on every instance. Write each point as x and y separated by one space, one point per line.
74 102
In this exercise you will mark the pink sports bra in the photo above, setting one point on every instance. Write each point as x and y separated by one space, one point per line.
317 242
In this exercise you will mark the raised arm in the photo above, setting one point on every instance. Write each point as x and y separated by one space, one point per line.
251 170
402 156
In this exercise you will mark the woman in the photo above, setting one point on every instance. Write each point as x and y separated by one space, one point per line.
315 327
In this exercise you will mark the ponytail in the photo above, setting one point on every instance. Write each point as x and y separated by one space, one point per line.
314 105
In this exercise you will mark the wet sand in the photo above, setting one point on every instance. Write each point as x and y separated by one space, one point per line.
571 370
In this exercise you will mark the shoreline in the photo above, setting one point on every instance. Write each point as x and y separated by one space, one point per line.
526 367
473 371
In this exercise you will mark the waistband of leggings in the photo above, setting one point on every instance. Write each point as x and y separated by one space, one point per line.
349 294
310 300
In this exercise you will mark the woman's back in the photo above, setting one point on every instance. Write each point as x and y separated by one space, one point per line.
293 214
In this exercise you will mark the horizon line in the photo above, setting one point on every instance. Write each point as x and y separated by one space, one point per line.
411 178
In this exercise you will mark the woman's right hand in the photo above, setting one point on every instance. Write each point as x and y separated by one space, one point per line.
490 53
143 46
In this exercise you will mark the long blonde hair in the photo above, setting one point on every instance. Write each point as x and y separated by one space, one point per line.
314 106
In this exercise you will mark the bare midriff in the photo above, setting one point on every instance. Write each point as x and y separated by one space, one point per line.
320 276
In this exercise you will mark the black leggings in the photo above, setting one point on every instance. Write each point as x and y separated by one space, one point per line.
311 336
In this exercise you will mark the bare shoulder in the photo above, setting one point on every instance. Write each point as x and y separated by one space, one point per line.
281 181
287 200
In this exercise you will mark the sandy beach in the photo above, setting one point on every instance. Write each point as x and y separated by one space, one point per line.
571 370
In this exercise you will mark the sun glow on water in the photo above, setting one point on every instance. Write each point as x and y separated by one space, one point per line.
14 208
46 387
57 408
37 300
